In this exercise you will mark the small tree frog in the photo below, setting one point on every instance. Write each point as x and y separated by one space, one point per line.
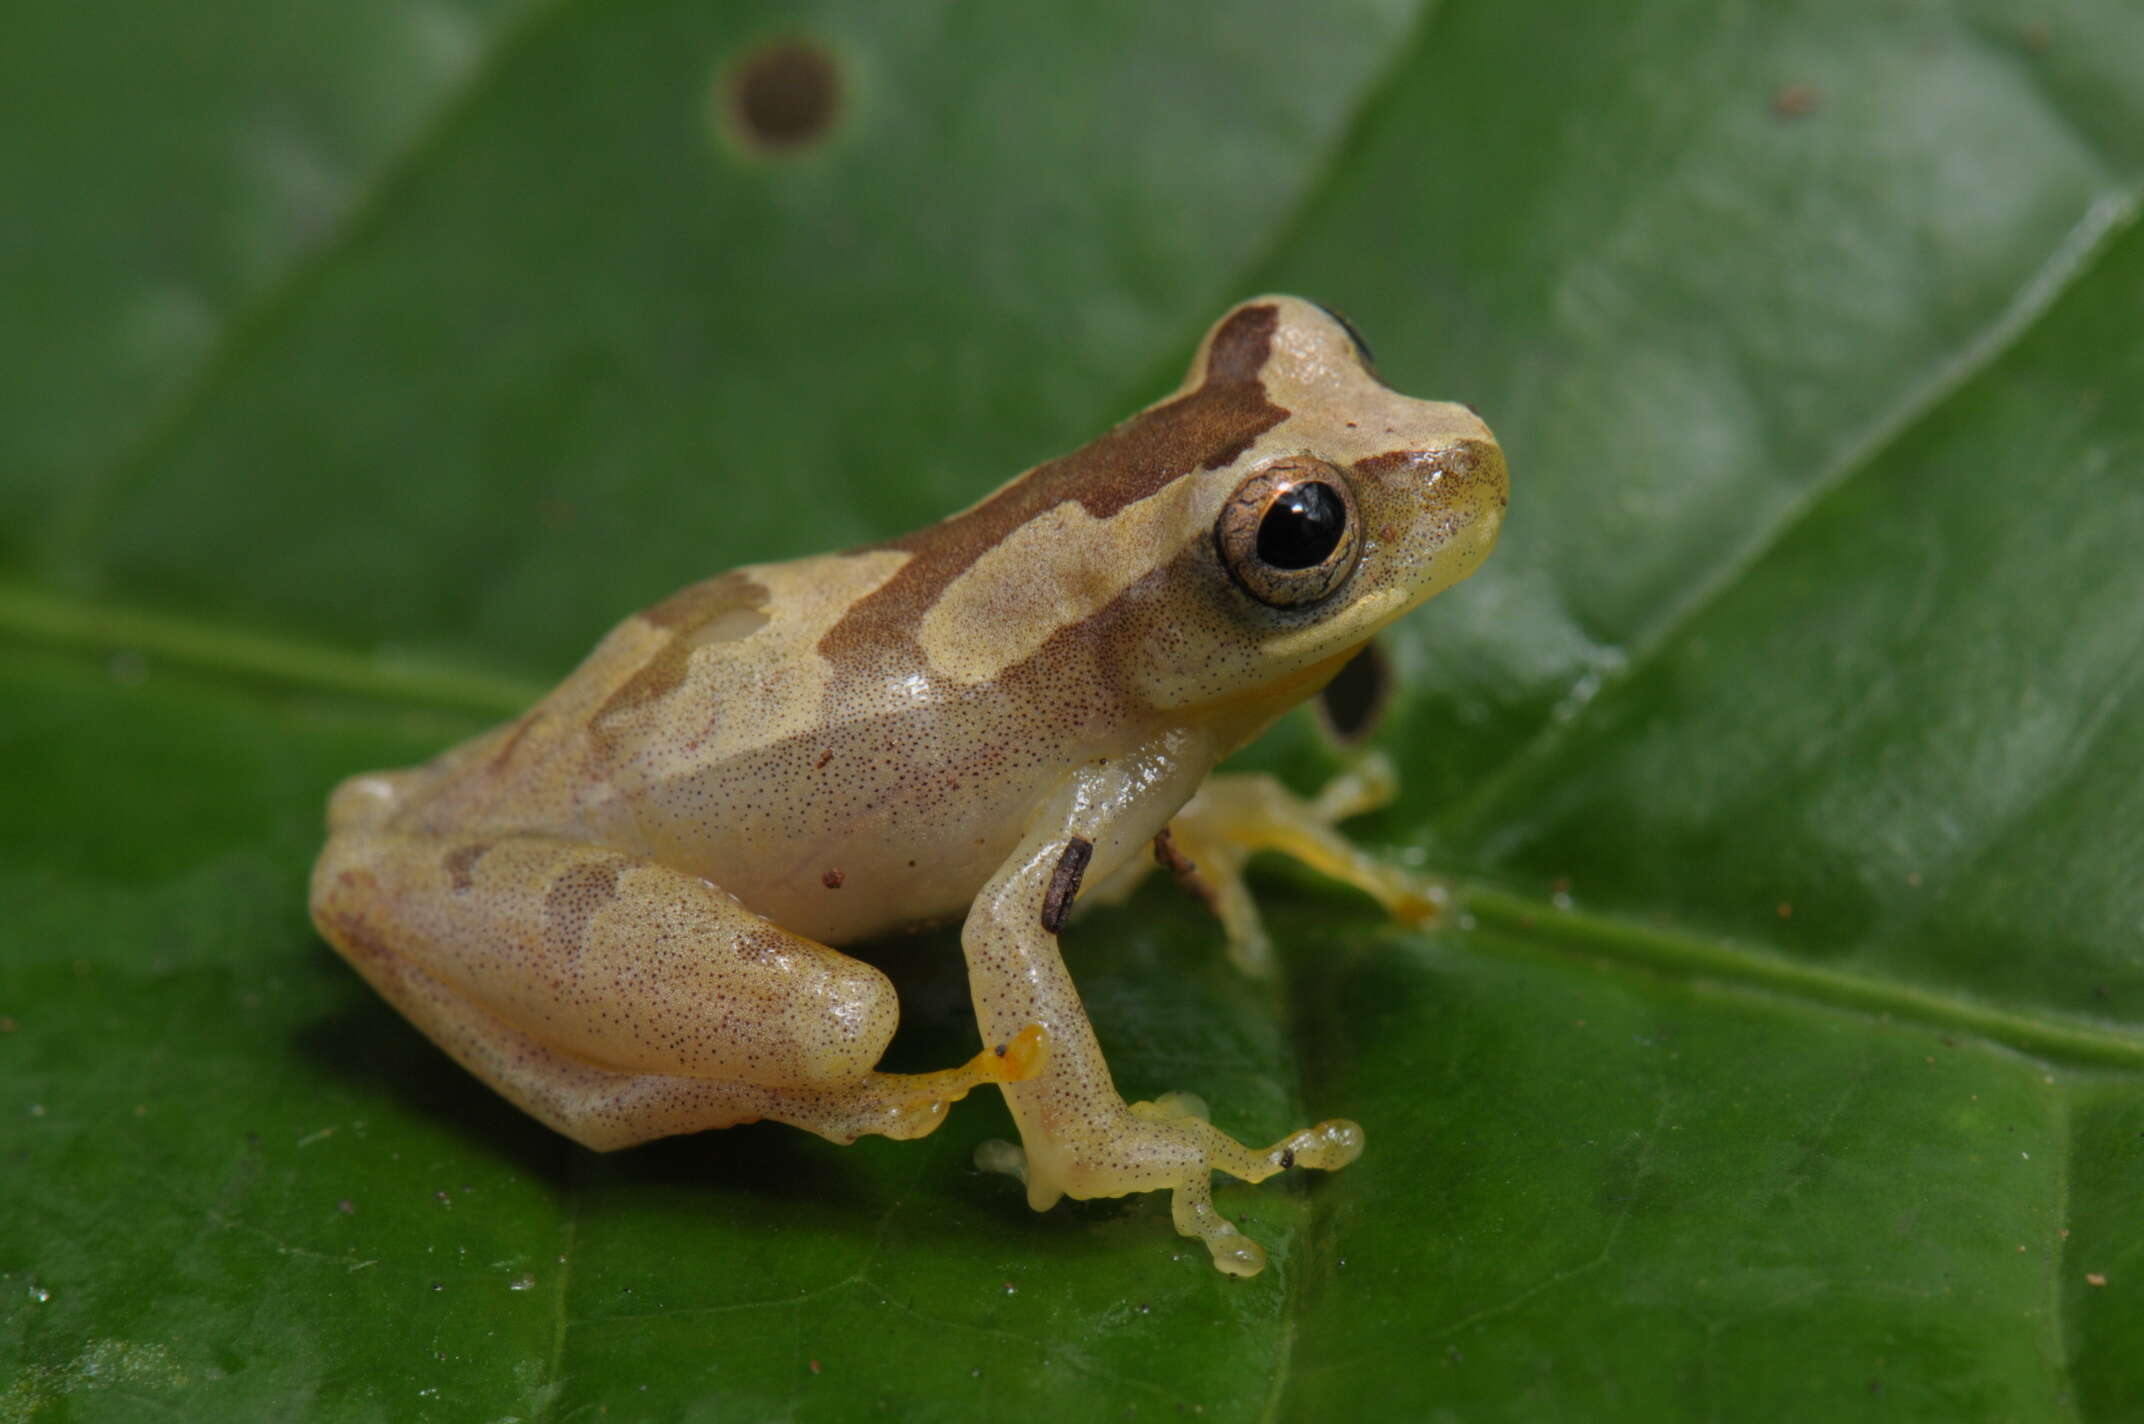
618 909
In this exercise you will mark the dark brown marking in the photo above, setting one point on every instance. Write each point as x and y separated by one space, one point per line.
460 864
698 604
1064 883
1183 869
658 677
1287 1158
834 878
727 606
824 757
782 97
574 897
1202 430
1242 344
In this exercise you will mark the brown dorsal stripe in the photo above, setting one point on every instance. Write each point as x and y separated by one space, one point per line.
1202 430
687 616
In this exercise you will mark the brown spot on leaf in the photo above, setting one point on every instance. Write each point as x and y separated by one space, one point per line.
781 97
834 878
1793 101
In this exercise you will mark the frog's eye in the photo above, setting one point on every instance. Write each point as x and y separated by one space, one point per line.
1288 535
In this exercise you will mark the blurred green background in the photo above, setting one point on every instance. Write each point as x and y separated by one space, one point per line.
360 364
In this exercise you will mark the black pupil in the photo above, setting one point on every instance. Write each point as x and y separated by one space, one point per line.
1301 527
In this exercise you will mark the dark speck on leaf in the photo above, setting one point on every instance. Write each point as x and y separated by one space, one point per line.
781 98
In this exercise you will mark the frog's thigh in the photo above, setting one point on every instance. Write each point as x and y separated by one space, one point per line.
614 998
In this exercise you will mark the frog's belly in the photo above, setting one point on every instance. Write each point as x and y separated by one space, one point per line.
837 859
865 888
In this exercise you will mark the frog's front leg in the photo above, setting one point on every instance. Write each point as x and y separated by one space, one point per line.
1080 1138
619 1000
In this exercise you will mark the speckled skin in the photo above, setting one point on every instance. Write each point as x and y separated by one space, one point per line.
618 909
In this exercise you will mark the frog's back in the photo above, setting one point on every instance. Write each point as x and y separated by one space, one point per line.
718 671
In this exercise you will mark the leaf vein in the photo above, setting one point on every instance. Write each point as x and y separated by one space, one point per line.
2072 259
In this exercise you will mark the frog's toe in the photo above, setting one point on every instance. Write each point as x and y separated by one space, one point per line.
1168 1144
913 1104
1328 1147
906 1121
1005 1159
1234 1254
1175 1105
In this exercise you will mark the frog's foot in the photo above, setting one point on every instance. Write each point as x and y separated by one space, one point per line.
1233 817
1169 1144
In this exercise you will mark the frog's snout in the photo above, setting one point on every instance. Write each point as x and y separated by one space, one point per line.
1456 483
1438 508
1473 488
1475 478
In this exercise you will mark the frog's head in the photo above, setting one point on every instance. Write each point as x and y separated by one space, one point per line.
1213 559
1347 505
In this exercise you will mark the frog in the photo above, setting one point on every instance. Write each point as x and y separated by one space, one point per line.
627 909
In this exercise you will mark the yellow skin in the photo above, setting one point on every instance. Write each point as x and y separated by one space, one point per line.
617 910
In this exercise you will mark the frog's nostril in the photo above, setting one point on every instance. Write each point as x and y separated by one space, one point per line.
1475 473
1463 475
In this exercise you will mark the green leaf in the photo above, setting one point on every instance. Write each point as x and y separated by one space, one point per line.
363 363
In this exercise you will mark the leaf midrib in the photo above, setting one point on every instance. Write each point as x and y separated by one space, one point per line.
1662 950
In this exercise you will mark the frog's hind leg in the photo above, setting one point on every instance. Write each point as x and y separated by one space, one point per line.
618 1000
605 1110
1234 816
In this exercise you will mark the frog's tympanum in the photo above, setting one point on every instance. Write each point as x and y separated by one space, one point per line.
617 909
